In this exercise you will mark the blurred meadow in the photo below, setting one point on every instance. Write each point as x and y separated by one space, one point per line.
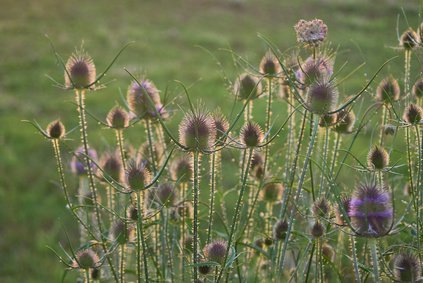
173 40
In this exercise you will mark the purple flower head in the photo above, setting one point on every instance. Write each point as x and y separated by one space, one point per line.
313 70
78 161
311 33
139 103
371 211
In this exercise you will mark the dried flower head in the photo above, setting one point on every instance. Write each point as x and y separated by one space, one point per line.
321 208
222 127
417 90
344 121
204 269
315 70
389 129
197 132
322 97
78 165
413 114
371 211
388 90
122 232
166 194
86 259
328 252
216 251
327 120
257 165
409 39
247 86
181 169
279 229
80 72
55 130
311 33
111 164
272 192
117 118
378 158
342 210
251 134
407 268
143 98
269 65
137 176
317 230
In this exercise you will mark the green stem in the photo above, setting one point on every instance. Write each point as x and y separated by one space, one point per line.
87 275
375 260
151 146
212 193
355 261
310 261
196 183
267 125
122 262
141 241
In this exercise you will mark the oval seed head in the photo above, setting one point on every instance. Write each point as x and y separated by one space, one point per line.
272 192
78 165
413 114
407 268
111 164
204 269
269 65
388 90
80 71
342 210
378 158
371 211
86 259
328 252
166 194
132 213
257 165
344 121
389 129
247 86
279 229
321 208
327 120
251 134
55 130
122 232
322 97
137 176
417 90
197 132
311 33
181 169
143 98
409 39
222 126
317 230
315 70
216 251
117 118
268 241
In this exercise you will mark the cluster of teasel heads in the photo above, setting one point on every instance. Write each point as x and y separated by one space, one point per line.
289 216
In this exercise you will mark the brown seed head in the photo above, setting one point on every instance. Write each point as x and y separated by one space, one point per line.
55 130
80 71
251 134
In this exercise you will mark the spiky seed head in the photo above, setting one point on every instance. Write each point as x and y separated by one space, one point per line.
55 130
257 165
247 86
137 176
322 97
251 134
181 169
132 213
409 39
327 120
371 211
143 97
342 210
389 129
407 267
321 208
86 259
188 243
216 251
269 65
78 164
197 132
378 158
317 230
311 33
417 90
315 70
161 110
272 192
222 127
204 269
80 72
388 90
122 232
328 252
111 164
413 114
344 121
117 118
268 241
166 194
279 229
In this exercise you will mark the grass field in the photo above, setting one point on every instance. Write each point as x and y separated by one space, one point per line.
169 41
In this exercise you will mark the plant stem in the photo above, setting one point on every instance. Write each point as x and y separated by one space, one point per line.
267 125
375 260
212 193
196 183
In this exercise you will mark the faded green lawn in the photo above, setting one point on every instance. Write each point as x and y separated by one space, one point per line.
167 35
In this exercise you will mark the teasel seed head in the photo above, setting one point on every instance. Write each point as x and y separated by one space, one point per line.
317 230
322 97
137 176
117 118
279 229
251 134
132 213
204 269
138 101
344 121
321 208
269 65
409 39
371 211
80 71
389 129
417 90
216 251
407 268
247 86
342 214
166 194
181 169
222 127
315 70
413 114
111 164
197 132
272 192
327 120
86 259
378 158
78 161
122 232
257 165
55 130
311 33
328 252
388 90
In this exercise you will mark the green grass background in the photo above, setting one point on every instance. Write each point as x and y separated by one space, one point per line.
167 35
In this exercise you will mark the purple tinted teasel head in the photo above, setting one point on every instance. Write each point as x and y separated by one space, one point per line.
143 98
371 211
78 161
311 33
314 70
